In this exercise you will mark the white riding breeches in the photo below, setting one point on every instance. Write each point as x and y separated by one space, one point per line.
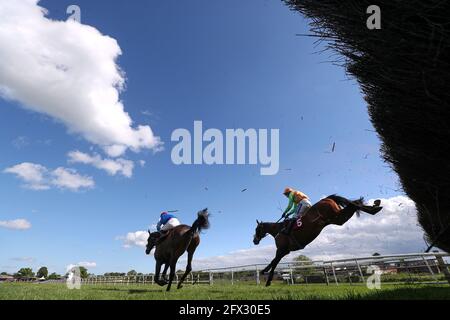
172 223
303 206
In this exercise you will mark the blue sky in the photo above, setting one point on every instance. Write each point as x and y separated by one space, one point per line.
237 64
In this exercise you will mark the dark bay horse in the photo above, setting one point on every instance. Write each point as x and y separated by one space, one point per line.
331 210
179 240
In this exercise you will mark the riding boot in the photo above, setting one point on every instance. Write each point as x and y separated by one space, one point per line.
288 228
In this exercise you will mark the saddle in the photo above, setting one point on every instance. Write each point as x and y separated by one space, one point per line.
159 236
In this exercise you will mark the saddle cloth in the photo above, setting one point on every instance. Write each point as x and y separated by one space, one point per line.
298 223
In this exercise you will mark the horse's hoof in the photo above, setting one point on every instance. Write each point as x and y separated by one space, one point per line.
262 273
268 284
179 287
161 283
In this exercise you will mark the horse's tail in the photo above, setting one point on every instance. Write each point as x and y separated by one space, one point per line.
202 221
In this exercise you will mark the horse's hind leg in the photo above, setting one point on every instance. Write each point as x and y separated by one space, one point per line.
173 265
280 254
344 215
188 269
373 210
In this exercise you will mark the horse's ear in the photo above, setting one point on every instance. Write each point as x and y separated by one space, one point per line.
149 232
257 221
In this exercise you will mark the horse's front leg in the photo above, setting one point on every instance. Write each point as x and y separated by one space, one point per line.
164 273
281 253
266 269
173 265
157 272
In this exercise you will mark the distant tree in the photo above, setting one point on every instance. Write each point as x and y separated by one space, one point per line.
42 272
132 273
376 254
3 274
54 276
114 274
305 261
83 272
303 258
25 273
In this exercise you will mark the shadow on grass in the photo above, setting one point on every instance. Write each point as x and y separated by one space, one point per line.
132 291
140 291
410 293
406 293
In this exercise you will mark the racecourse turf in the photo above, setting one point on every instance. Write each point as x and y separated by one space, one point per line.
23 291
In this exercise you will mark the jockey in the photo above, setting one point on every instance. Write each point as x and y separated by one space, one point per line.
166 222
298 204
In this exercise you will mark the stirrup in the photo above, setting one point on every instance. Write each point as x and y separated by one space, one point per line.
162 237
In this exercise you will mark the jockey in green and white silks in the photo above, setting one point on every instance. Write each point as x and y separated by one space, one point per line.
298 204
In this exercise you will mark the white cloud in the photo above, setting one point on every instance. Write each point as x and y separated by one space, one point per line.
392 231
138 238
68 71
20 142
142 163
86 264
69 179
19 224
24 259
32 174
112 167
38 177
147 113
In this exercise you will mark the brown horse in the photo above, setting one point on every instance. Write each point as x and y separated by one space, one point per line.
331 210
179 240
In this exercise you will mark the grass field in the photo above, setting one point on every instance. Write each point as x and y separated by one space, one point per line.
14 291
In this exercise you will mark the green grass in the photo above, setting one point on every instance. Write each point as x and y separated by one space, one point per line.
17 291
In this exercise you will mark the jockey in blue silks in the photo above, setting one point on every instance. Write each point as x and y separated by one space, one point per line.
166 222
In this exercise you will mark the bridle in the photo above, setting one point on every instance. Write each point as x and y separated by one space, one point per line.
257 237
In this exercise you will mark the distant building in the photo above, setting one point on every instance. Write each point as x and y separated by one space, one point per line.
5 278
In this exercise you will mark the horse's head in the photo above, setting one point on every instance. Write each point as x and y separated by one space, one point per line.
260 233
150 243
